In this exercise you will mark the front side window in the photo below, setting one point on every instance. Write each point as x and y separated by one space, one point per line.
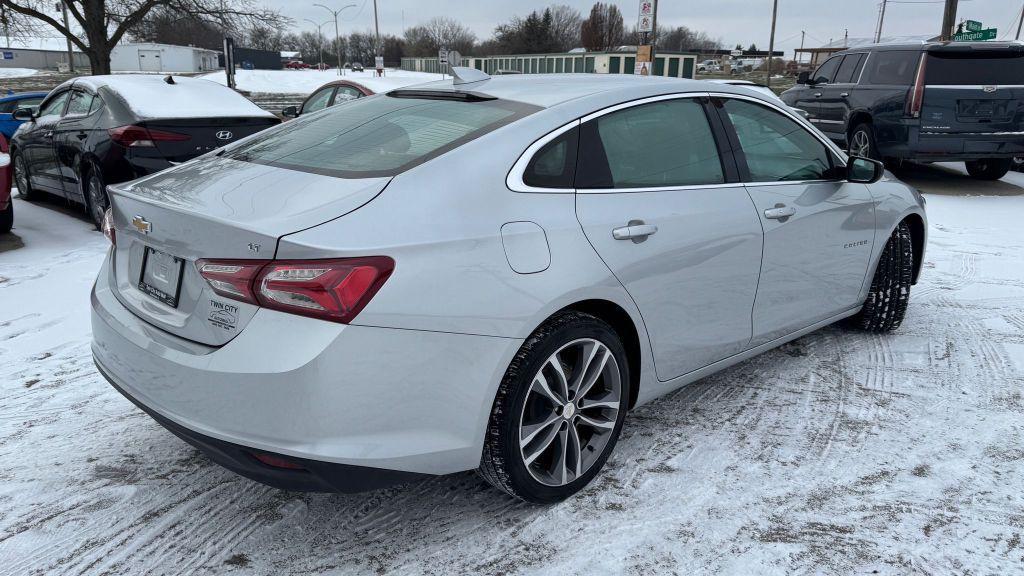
894 67
318 101
378 136
775 147
80 103
825 72
665 143
55 105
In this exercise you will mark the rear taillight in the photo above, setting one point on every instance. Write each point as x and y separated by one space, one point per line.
231 278
108 227
137 136
335 290
913 107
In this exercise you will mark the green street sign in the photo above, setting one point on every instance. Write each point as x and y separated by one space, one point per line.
986 34
973 26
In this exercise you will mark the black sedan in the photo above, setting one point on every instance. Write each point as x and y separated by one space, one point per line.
99 130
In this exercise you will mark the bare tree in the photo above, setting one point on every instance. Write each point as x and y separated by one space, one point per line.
103 23
684 39
604 29
425 40
565 26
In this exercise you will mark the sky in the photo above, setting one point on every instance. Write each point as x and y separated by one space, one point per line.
734 21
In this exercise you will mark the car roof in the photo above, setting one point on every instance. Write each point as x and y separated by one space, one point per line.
547 90
925 45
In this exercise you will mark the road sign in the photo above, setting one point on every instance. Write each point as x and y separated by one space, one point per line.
378 62
442 55
972 26
977 36
646 23
736 53
454 58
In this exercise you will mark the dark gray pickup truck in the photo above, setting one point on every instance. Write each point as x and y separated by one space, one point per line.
927 102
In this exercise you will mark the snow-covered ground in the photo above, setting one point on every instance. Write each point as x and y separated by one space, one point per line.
17 72
305 81
840 453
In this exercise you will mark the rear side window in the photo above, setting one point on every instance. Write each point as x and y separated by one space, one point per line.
979 68
81 103
377 136
666 143
775 147
825 72
892 67
554 165
849 70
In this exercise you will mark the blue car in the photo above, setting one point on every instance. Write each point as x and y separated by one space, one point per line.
11 102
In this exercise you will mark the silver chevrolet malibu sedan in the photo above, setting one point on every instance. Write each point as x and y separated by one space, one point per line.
485 273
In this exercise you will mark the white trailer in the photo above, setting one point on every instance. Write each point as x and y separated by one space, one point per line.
152 57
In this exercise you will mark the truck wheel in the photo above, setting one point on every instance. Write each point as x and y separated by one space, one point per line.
887 301
989 168
7 218
558 411
862 142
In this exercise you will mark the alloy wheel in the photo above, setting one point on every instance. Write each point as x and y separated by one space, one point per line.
570 412
97 199
21 177
859 144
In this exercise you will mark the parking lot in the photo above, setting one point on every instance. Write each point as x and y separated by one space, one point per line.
840 453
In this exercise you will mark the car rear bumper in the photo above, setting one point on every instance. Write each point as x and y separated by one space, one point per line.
955 147
316 392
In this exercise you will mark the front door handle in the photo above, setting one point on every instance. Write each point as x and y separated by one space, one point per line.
48 134
817 94
844 95
635 230
81 135
779 212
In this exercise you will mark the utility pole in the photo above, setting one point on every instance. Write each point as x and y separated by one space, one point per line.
319 40
799 60
771 43
71 54
948 20
376 26
881 22
337 32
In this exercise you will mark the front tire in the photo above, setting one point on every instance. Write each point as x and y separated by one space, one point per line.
7 218
989 168
558 411
96 201
887 301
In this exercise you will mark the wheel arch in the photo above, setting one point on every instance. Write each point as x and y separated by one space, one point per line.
857 118
917 239
620 320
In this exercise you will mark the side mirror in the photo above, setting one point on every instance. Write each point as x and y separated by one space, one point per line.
290 112
864 170
804 78
23 114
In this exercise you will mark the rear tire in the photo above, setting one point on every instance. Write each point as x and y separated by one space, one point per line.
887 301
989 168
861 142
7 218
21 178
96 201
538 449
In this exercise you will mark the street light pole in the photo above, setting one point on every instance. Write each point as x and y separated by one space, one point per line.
319 40
71 53
337 31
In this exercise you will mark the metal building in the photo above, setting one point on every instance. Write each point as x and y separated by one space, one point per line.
666 63
151 57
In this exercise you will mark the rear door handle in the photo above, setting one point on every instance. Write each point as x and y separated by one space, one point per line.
780 212
636 231
48 134
844 94
817 94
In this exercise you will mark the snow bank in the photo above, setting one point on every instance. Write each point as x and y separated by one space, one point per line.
17 72
306 81
149 96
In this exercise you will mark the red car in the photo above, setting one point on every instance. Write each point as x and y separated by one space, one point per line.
6 205
296 65
334 92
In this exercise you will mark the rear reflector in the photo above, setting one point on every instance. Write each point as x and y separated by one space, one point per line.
335 290
276 461
137 136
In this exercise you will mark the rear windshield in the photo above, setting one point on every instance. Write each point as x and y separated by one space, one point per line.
377 136
975 69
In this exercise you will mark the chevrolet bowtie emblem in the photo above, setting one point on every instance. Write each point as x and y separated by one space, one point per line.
142 225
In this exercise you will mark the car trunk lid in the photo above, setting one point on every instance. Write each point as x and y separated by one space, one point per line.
973 90
182 139
213 208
